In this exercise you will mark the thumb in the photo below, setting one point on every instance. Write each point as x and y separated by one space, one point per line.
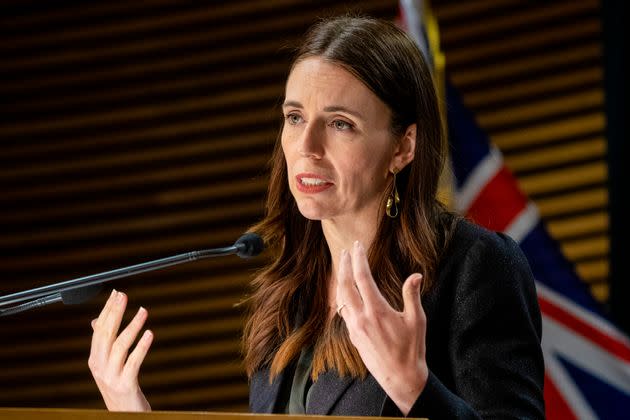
411 295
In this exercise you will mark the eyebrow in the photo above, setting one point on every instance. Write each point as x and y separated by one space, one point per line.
331 108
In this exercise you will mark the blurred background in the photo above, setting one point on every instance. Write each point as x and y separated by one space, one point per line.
138 130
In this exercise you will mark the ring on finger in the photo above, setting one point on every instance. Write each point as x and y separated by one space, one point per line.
339 308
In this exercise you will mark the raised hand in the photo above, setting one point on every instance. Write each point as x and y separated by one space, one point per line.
114 369
390 343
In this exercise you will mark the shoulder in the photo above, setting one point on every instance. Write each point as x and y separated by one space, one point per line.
484 325
484 271
473 248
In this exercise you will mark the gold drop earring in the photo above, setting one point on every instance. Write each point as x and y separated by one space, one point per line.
393 200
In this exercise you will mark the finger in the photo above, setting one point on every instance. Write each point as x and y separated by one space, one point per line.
363 277
111 323
107 307
99 349
121 346
135 359
347 294
411 297
105 334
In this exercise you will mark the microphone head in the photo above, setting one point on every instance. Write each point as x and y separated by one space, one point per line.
249 245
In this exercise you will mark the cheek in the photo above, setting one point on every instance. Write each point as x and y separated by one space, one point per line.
286 151
369 172
361 172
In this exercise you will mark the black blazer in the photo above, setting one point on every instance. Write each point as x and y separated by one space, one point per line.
483 343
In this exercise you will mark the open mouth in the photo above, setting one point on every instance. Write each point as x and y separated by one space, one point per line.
311 183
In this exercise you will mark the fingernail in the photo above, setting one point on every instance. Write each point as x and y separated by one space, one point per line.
141 310
113 293
344 252
357 245
418 279
119 296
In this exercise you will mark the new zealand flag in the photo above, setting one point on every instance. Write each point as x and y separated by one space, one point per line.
587 359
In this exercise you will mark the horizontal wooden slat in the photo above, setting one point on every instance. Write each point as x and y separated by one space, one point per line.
172 220
218 13
544 157
593 270
596 246
600 291
187 241
149 111
550 131
545 107
31 19
158 66
579 225
163 333
542 86
461 9
523 65
544 13
202 396
182 173
559 179
169 131
86 385
209 82
144 156
513 44
595 198
159 357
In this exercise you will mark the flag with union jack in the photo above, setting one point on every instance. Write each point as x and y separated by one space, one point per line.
587 359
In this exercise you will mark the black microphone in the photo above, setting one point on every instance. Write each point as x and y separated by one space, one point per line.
249 245
83 288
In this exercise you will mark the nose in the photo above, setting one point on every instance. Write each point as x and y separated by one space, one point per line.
311 142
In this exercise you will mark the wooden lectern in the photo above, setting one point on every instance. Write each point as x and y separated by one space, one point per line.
72 414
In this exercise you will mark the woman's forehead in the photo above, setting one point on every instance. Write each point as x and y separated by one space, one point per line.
318 83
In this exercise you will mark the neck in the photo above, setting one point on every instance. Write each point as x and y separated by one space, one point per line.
340 233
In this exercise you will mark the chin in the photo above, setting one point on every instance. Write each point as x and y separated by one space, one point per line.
312 211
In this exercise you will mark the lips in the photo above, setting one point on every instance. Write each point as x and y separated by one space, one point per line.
312 183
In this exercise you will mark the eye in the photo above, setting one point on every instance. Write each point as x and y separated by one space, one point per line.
341 125
293 119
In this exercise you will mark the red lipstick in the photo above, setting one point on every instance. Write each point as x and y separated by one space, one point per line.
312 183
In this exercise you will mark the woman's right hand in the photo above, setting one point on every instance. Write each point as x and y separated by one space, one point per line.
113 367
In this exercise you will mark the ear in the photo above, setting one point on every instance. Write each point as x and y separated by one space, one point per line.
405 149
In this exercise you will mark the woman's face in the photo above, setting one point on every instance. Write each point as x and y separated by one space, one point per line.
337 142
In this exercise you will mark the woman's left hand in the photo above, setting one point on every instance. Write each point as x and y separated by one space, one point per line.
390 343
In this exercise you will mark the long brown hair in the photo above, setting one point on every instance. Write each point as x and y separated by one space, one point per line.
288 308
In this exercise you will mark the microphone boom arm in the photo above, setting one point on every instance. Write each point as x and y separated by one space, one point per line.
118 273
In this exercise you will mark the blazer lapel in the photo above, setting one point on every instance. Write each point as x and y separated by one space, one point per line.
326 391
262 395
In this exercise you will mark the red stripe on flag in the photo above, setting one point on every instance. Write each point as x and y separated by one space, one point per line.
498 203
555 405
612 345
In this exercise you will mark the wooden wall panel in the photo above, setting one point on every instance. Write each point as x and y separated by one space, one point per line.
133 131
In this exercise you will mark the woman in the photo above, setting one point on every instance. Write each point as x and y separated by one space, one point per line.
380 302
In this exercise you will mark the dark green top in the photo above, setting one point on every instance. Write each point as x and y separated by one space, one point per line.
295 399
